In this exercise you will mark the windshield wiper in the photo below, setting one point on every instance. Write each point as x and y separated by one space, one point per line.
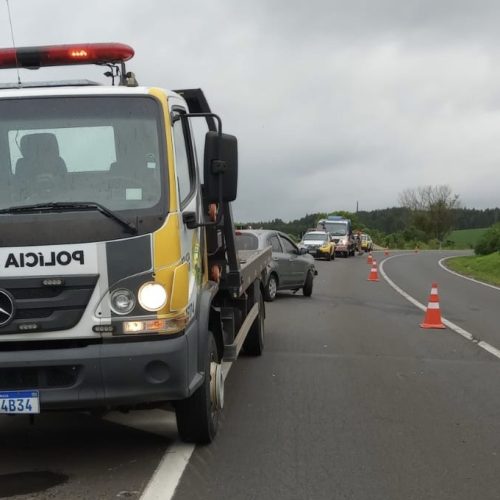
62 206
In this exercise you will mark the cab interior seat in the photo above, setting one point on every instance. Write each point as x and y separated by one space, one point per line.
40 158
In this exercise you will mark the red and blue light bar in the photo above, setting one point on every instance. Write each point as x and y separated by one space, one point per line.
63 55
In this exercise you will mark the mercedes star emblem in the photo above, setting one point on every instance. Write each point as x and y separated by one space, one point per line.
7 308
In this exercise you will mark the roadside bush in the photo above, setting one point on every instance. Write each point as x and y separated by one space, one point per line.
433 244
489 242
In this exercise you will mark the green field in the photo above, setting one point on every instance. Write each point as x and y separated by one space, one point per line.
466 238
484 268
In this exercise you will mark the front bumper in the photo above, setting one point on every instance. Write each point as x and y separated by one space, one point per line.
318 252
106 375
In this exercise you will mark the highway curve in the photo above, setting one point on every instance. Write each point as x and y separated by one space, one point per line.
351 400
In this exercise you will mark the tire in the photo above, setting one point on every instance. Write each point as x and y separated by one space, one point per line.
333 255
271 288
307 289
254 343
329 257
198 416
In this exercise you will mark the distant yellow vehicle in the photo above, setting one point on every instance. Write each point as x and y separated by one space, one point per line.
366 243
319 244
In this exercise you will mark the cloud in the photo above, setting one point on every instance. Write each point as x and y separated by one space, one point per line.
333 102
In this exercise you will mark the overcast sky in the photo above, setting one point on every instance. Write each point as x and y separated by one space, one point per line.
333 102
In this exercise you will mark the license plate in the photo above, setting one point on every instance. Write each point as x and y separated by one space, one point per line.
19 402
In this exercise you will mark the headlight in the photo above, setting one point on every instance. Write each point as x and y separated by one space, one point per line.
152 296
122 301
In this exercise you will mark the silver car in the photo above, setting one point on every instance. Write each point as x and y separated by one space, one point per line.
290 268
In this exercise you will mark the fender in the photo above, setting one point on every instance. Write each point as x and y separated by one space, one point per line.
207 294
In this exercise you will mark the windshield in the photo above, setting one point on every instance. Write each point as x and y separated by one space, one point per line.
315 237
91 149
335 228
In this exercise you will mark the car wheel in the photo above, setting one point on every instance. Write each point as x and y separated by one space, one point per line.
271 288
328 256
307 289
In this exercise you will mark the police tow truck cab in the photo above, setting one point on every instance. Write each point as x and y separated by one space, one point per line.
120 284
340 230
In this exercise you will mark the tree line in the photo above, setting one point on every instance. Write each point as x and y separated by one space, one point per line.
391 220
425 218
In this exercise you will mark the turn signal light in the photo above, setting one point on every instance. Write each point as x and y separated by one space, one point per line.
162 326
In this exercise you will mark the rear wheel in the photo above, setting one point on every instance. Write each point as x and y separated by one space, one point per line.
254 343
271 288
329 256
198 416
307 289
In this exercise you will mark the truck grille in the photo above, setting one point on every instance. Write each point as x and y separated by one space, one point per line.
46 308
43 377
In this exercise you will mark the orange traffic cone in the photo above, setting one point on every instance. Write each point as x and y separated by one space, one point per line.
369 259
373 276
433 313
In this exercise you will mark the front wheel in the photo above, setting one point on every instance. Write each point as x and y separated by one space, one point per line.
198 416
307 289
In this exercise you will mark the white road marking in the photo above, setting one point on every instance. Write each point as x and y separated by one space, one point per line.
465 277
169 472
167 475
452 326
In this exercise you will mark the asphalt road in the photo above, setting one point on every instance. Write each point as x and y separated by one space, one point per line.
351 400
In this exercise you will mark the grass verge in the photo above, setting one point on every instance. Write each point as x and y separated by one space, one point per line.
466 238
483 267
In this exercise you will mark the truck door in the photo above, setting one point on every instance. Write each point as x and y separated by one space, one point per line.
189 197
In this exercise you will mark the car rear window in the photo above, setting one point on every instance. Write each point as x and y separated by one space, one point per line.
245 241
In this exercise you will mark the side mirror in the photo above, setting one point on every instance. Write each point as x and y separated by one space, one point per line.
220 167
302 251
